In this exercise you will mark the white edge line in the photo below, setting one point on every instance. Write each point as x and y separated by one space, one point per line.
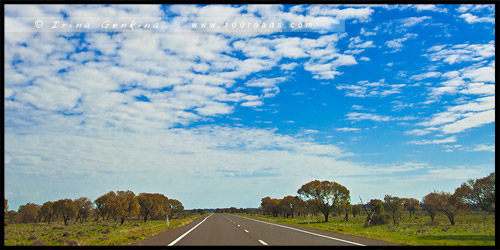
262 242
182 236
328 237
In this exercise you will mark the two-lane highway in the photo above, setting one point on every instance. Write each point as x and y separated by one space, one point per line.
233 230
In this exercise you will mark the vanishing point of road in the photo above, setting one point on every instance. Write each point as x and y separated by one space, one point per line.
233 230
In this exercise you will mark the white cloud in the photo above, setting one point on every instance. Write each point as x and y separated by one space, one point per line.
471 121
363 14
252 104
446 140
428 7
397 43
469 18
365 116
417 132
426 75
412 21
462 52
482 147
347 129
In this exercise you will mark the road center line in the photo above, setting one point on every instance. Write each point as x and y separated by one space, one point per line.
291 228
182 236
262 242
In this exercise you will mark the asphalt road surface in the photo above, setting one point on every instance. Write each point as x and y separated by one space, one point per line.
232 230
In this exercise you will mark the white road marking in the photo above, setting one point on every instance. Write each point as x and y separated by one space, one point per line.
291 228
246 230
238 225
182 236
262 242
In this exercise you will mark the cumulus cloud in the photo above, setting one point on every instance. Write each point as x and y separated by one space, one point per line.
470 18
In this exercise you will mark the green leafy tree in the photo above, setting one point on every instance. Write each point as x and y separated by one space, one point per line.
290 204
326 195
376 207
356 209
176 206
127 205
394 205
479 192
448 204
66 208
346 208
411 205
271 206
28 213
430 204
47 211
83 208
153 206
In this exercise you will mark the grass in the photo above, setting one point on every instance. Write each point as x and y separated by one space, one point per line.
473 229
92 233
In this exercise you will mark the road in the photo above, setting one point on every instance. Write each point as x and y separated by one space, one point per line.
232 230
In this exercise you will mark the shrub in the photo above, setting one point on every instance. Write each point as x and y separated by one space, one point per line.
39 243
66 234
58 227
33 237
379 219
73 243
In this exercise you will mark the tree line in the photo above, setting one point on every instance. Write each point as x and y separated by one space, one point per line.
116 206
329 198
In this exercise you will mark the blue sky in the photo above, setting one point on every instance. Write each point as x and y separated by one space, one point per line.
383 99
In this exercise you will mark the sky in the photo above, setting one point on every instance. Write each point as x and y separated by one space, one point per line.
383 99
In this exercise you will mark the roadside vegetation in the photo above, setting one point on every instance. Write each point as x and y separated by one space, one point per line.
90 233
473 229
115 218
463 218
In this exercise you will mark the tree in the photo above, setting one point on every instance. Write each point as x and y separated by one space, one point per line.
127 205
83 208
5 206
28 213
47 211
431 202
176 206
356 209
346 207
271 206
393 205
447 203
326 195
153 205
289 204
479 192
411 205
66 208
376 208
100 207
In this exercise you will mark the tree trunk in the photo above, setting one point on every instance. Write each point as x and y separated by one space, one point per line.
326 216
452 219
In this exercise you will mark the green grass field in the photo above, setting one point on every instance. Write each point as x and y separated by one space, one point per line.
474 229
92 233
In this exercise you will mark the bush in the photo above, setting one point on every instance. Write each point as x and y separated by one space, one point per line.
379 219
73 243
39 243
58 227
33 237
